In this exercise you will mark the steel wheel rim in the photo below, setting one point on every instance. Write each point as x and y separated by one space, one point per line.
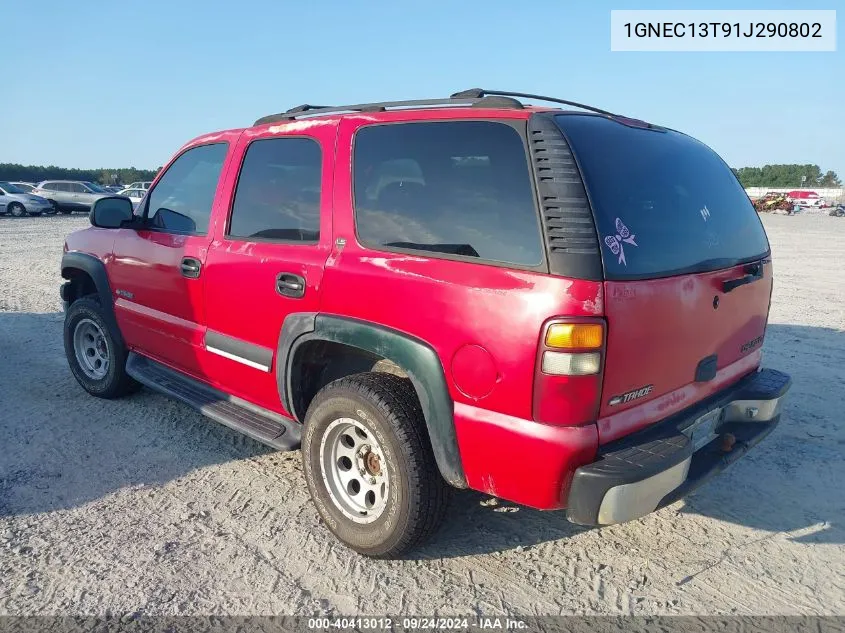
91 349
354 470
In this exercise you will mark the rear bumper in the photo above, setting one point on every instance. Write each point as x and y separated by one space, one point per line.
649 469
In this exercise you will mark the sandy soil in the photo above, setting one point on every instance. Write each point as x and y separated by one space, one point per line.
142 505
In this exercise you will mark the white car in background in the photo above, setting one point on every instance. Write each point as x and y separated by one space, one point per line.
26 187
135 194
139 185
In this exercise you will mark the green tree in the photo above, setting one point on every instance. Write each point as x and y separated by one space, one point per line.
831 180
37 173
786 176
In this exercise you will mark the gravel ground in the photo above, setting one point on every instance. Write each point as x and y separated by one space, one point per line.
144 506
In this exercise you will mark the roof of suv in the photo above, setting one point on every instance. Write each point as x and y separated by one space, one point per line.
476 100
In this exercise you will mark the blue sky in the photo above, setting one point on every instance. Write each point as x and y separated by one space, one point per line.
104 83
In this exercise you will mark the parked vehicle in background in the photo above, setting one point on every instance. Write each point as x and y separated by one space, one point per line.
68 196
112 188
27 187
773 201
564 309
805 198
135 195
139 185
16 202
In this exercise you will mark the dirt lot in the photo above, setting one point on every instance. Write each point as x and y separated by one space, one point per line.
144 506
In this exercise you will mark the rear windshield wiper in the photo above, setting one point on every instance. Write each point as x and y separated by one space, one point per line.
753 272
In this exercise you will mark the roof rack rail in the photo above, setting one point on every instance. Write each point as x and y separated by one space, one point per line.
478 93
306 110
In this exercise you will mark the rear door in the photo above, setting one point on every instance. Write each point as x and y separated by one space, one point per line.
79 197
688 278
267 259
63 194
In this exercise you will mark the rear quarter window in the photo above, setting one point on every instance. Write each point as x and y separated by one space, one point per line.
664 203
454 188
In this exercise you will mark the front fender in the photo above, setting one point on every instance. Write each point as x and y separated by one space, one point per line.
96 270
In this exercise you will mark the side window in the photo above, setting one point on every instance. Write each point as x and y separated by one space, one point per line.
456 187
75 187
278 192
62 186
182 199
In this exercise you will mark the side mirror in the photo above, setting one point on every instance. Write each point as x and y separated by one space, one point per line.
111 212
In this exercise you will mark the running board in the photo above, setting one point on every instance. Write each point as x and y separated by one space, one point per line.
260 424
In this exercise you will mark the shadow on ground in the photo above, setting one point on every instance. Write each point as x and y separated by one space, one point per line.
63 448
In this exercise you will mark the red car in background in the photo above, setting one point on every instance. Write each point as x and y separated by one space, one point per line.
805 198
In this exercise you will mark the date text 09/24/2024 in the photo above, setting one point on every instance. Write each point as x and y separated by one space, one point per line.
417 623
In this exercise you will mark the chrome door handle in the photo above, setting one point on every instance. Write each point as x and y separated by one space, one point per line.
190 267
290 285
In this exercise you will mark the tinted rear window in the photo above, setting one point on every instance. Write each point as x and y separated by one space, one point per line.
278 193
459 188
664 203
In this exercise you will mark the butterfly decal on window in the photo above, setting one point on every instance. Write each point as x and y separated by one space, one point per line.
615 242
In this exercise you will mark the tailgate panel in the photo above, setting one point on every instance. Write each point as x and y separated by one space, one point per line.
659 330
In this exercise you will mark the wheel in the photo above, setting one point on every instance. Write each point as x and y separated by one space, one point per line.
65 211
369 465
16 209
97 361
52 210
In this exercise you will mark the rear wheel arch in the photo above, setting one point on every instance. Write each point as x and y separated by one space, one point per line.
337 347
87 275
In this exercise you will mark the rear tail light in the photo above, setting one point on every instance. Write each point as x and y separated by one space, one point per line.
568 376
575 335
565 364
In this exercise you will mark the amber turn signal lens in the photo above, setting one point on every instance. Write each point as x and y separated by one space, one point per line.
574 335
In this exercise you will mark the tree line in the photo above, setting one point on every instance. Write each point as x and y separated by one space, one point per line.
104 176
787 176
766 176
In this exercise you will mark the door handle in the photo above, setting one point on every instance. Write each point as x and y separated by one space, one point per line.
754 272
290 285
190 267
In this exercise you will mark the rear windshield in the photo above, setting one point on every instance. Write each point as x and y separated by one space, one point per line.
664 203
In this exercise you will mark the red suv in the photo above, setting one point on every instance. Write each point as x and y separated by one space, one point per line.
564 308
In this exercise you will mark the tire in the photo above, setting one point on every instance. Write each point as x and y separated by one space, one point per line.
88 335
414 496
65 211
16 210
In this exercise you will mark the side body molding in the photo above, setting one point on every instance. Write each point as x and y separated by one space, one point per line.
413 355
